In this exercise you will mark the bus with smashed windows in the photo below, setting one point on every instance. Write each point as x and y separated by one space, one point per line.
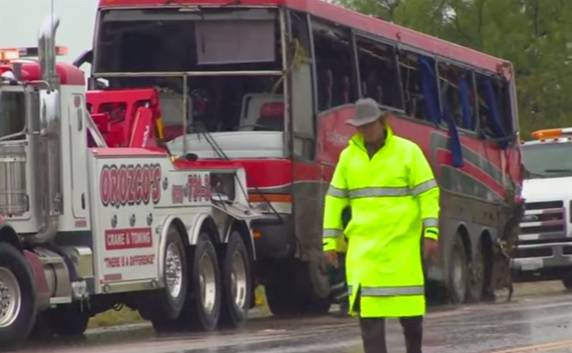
269 84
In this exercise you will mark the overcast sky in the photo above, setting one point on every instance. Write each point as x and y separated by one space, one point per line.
20 21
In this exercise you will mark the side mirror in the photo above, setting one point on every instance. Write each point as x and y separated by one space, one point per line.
85 57
97 83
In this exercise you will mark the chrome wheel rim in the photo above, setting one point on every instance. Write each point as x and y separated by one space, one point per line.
207 283
10 297
458 277
238 280
174 270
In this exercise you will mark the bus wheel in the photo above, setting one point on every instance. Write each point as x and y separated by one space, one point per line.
205 304
281 300
316 297
67 320
457 285
17 296
476 278
297 287
236 282
164 307
567 282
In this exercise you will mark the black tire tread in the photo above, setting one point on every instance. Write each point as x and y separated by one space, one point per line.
157 307
231 316
193 316
17 332
454 297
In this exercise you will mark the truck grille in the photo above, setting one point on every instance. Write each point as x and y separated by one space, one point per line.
13 196
543 222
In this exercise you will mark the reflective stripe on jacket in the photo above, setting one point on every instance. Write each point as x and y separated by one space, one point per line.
394 199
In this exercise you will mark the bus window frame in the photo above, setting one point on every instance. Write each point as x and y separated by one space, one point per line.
356 77
513 135
474 71
286 86
406 48
345 31
291 135
95 67
467 132
383 41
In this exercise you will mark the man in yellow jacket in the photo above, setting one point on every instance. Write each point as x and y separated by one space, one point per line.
394 200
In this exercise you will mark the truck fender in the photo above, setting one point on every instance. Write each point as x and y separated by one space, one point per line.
246 231
7 234
42 289
162 231
197 224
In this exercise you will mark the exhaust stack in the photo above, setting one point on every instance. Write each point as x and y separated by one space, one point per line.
47 50
45 146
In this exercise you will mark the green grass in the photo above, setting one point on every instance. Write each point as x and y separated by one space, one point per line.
128 316
114 318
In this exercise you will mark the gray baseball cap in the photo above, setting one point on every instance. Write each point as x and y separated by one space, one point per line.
367 111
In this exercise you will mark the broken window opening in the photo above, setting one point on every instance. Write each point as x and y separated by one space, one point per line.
457 95
378 72
140 41
334 66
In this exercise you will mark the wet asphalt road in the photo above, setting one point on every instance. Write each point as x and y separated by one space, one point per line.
539 320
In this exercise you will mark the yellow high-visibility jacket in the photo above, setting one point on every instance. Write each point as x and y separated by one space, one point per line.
394 201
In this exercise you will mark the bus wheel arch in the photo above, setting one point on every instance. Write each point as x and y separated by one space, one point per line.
487 250
478 261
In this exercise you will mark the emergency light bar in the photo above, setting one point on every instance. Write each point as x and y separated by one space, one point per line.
551 133
29 52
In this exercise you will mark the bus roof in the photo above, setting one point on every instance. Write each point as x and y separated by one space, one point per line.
343 16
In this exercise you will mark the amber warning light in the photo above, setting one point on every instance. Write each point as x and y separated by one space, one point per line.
551 133
31 52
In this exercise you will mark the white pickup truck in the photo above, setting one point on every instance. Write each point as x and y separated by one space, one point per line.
544 249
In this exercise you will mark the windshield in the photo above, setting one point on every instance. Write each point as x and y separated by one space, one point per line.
169 40
12 113
547 160
216 70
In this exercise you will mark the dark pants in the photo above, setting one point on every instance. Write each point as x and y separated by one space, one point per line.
373 334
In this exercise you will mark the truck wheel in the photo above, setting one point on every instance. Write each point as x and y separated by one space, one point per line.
164 307
457 286
476 277
297 287
17 296
236 282
567 282
205 304
67 320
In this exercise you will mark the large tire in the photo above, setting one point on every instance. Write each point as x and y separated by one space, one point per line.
67 320
203 308
476 277
164 307
17 296
236 282
458 273
281 300
567 282
297 288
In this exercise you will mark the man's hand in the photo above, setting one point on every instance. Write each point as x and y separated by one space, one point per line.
430 249
331 258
